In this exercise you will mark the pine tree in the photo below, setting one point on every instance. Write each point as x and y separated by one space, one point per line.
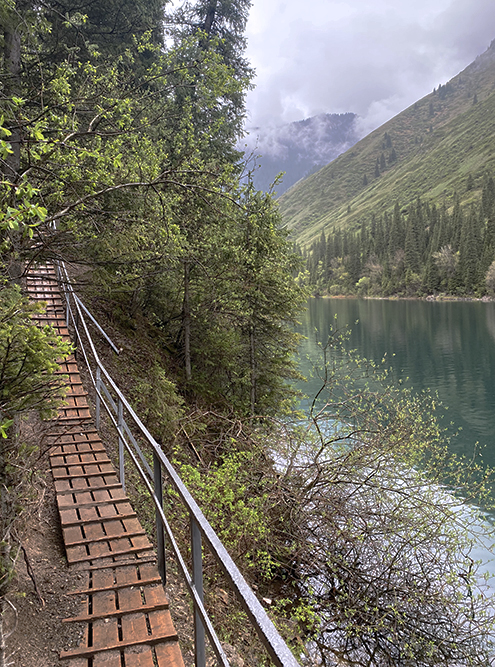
353 262
339 250
321 248
216 29
431 278
380 245
412 242
395 236
488 242
469 252
456 223
488 195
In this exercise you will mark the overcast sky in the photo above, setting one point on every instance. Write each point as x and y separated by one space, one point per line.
371 57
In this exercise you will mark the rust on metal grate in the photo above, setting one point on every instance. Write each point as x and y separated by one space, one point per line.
124 608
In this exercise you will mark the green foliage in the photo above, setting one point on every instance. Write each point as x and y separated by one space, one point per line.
429 251
28 359
29 379
81 29
157 403
237 504
143 188
385 542
127 167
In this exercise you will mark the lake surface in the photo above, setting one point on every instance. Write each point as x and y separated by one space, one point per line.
448 347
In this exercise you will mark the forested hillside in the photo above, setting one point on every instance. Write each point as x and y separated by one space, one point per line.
439 152
118 127
118 131
417 251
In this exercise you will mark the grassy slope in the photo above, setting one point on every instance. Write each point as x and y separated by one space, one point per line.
435 155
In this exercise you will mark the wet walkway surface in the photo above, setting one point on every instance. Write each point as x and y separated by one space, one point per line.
124 610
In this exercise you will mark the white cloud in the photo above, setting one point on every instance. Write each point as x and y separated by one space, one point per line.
371 58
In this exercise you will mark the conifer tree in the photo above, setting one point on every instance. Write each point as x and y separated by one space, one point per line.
488 195
412 242
469 252
395 235
338 245
431 278
456 223
217 27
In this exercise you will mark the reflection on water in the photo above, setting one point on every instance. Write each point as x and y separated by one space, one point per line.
448 347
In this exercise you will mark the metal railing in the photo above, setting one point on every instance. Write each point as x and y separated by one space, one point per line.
109 396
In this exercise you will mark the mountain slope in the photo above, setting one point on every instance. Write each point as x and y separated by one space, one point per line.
428 150
299 148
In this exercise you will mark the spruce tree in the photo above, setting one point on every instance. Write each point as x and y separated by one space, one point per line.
488 195
412 242
469 252
395 236
456 223
80 28
215 28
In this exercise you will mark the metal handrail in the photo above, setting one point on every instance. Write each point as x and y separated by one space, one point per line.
201 530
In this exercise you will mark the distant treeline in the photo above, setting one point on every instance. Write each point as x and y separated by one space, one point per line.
415 251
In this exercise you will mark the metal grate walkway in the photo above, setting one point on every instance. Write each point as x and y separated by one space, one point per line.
125 613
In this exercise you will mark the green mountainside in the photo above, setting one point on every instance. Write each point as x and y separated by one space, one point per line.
440 146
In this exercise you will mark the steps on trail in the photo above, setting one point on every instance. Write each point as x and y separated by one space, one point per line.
124 610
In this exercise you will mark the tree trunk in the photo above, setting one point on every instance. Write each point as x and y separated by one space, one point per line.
253 370
210 17
186 321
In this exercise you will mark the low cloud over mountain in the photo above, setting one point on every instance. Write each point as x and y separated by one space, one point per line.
298 149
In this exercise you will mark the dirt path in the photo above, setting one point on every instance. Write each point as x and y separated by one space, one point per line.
42 601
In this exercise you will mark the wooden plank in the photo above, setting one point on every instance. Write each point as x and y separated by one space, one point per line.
169 655
102 533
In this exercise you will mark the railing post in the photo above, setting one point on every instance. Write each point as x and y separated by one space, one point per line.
98 399
120 427
197 567
160 537
76 334
67 308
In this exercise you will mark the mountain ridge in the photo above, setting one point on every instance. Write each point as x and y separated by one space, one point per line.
437 142
299 148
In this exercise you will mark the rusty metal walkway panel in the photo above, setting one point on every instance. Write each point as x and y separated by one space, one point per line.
125 613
